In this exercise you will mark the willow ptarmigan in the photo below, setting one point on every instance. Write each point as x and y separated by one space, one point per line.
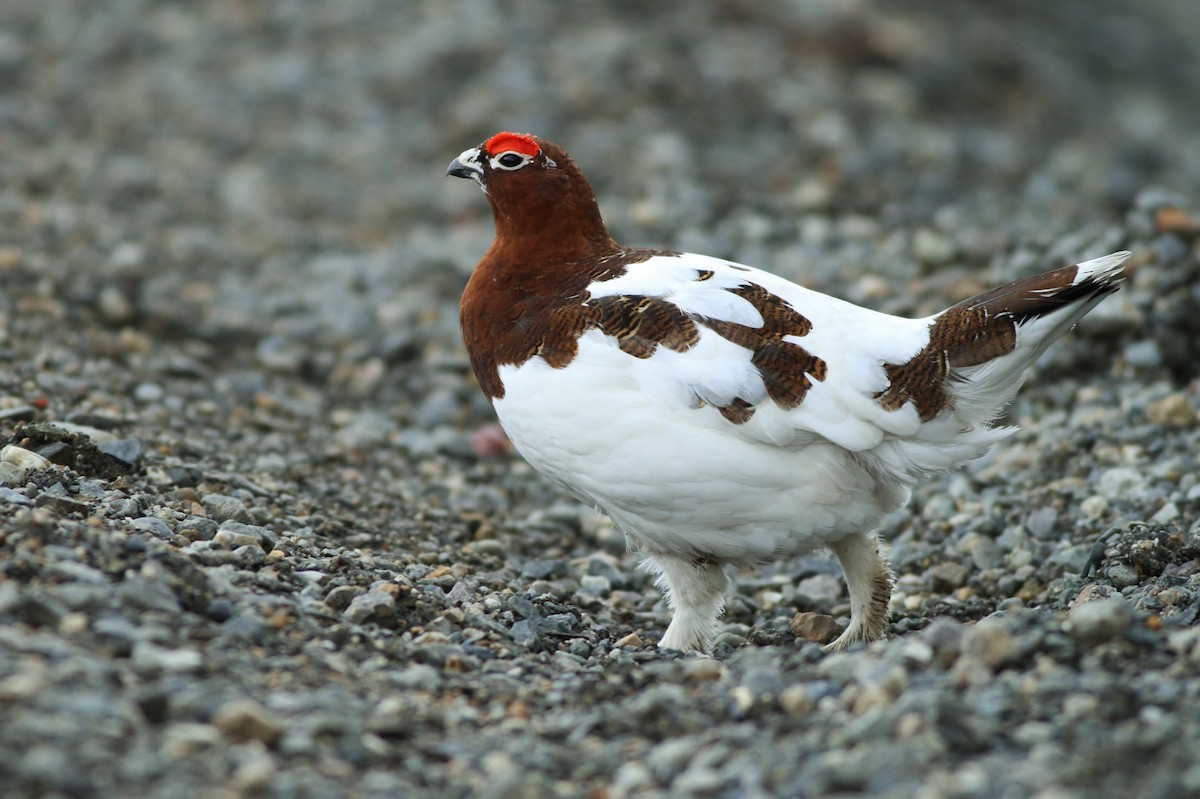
718 413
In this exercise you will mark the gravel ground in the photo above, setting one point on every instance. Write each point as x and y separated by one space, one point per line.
250 546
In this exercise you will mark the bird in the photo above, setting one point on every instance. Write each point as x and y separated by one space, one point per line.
720 414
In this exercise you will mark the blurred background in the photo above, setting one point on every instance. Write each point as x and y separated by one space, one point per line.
269 173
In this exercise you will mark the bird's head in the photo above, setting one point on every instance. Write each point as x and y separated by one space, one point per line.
534 188
503 160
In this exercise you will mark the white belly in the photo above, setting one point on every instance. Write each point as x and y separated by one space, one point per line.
676 477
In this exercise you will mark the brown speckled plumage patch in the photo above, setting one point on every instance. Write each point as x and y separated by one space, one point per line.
976 331
641 324
512 318
739 411
786 368
779 319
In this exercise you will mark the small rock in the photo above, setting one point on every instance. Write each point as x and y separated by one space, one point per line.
1171 219
1144 354
223 508
1092 592
1122 575
197 528
545 569
19 413
1115 483
702 670
1094 506
244 720
11 475
633 639
11 495
1043 523
148 657
490 441
232 535
23 458
797 700
820 586
249 555
374 606
816 627
155 526
523 634
1166 514
985 552
1173 410
340 597
945 637
1073 558
948 576
148 392
57 498
594 585
1093 623
989 641
126 450
938 508
932 247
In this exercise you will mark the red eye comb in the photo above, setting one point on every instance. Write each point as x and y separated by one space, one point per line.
521 143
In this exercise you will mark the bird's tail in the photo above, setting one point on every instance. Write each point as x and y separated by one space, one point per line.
993 338
978 354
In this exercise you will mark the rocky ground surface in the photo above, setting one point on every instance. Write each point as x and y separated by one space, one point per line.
253 543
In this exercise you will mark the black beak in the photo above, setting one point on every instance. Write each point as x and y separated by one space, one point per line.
460 170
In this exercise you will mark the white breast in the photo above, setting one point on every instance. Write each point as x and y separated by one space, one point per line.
626 434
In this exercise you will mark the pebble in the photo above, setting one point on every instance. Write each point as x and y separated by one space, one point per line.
816 627
1043 523
985 552
244 720
155 526
1117 482
631 640
126 450
948 576
152 659
1093 623
223 508
374 606
23 458
1094 507
232 535
989 641
820 586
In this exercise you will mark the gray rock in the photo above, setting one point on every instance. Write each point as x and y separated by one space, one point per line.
126 450
374 606
1093 623
222 508
949 576
12 496
155 526
1043 523
340 597
232 535
244 720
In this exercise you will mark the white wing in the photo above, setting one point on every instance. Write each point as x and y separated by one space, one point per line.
853 343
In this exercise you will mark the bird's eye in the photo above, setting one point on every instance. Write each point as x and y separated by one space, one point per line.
510 160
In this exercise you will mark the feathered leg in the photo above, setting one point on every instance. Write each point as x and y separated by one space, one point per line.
695 590
870 580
